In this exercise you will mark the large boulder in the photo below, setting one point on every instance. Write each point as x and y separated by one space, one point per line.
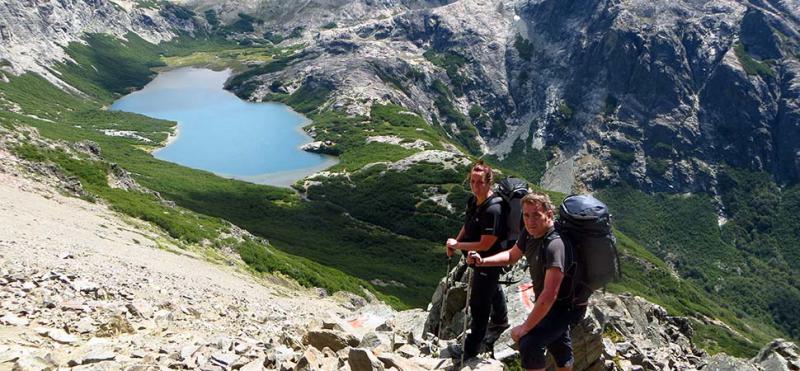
779 355
646 335
336 340
361 359
724 362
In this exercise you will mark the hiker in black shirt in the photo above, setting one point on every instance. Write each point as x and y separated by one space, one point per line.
483 232
547 326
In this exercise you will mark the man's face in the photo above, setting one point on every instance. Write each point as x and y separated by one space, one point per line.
477 183
537 221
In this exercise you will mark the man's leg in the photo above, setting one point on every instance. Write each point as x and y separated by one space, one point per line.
548 334
532 352
561 349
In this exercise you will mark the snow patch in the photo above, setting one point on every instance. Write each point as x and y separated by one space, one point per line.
126 134
393 139
447 159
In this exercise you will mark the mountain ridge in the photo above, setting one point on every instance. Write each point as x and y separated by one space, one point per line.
440 65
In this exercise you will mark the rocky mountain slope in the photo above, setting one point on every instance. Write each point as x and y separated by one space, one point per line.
33 34
465 77
669 97
656 93
619 332
86 288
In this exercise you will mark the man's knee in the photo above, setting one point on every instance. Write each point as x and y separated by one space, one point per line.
550 336
564 363
532 353
561 349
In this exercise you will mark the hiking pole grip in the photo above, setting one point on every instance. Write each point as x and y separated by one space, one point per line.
473 255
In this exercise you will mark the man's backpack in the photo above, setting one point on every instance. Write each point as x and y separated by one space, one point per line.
511 191
584 224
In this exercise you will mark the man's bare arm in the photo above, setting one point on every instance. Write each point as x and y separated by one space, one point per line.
545 300
500 259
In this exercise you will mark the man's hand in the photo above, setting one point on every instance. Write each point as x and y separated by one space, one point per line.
473 258
451 246
518 332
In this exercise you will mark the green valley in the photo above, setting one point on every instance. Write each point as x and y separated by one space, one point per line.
382 213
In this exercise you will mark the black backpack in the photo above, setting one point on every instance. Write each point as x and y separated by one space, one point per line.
584 224
510 191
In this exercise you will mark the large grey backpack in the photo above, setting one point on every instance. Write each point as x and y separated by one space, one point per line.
584 223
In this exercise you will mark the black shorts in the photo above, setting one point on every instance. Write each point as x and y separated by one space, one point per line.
552 333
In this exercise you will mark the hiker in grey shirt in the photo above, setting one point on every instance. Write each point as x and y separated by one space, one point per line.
547 326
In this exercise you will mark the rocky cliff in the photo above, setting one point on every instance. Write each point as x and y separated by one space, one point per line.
655 93
33 34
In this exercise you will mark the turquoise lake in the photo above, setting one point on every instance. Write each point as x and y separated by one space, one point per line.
220 133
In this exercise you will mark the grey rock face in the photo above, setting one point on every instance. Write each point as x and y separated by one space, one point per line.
60 336
621 329
99 355
32 36
655 93
779 355
12 320
724 362
658 72
310 361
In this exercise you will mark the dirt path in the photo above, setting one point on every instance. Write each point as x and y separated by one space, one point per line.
66 263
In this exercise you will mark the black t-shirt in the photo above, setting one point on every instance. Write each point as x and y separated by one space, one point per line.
484 219
554 256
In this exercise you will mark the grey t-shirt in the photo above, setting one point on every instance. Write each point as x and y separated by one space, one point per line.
553 257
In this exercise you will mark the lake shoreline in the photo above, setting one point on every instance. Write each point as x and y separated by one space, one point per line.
171 138
216 131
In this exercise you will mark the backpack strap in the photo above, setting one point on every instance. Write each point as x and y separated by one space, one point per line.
571 263
494 200
498 198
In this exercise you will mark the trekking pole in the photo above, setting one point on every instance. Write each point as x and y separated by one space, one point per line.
444 298
466 316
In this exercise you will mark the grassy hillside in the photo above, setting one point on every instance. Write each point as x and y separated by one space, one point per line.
745 269
185 226
268 211
370 221
647 275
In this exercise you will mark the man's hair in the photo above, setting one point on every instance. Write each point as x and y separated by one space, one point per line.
542 199
481 167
